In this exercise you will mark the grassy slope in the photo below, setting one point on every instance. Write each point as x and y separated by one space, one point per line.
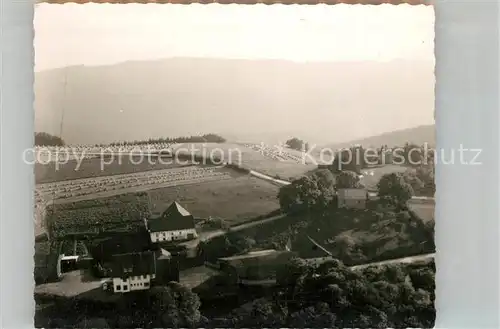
234 200
354 236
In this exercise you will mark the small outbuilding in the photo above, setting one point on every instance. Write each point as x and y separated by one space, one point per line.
352 198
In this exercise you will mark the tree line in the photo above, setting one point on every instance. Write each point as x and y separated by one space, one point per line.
357 157
207 138
322 295
45 139
317 191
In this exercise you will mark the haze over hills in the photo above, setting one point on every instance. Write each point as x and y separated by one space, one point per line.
242 100
417 135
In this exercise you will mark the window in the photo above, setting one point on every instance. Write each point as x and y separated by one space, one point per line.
117 288
125 287
146 284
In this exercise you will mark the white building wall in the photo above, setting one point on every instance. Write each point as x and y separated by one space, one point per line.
172 235
139 282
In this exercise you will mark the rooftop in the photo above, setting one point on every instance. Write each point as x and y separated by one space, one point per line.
132 264
175 217
258 264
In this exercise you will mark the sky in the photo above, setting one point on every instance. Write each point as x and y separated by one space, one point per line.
102 34
106 34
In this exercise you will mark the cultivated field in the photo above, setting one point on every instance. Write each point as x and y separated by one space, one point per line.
423 210
116 184
100 166
269 160
125 208
105 187
287 166
205 191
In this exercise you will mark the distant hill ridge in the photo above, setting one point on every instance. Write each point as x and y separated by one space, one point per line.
417 135
273 99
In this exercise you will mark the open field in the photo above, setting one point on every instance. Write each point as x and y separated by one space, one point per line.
100 166
224 194
74 217
117 184
280 153
353 236
233 200
266 159
265 162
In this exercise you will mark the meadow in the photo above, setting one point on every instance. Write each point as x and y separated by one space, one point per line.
116 184
234 200
99 166
265 161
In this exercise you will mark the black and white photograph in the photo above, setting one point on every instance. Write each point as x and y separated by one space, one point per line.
234 166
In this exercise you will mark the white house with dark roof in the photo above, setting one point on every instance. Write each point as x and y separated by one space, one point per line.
175 224
135 271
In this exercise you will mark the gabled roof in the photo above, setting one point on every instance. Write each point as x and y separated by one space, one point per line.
174 218
133 264
176 208
257 264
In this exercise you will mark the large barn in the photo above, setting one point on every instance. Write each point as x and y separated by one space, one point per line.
175 224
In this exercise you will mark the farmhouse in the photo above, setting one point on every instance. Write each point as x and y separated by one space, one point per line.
257 268
135 271
352 198
175 224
